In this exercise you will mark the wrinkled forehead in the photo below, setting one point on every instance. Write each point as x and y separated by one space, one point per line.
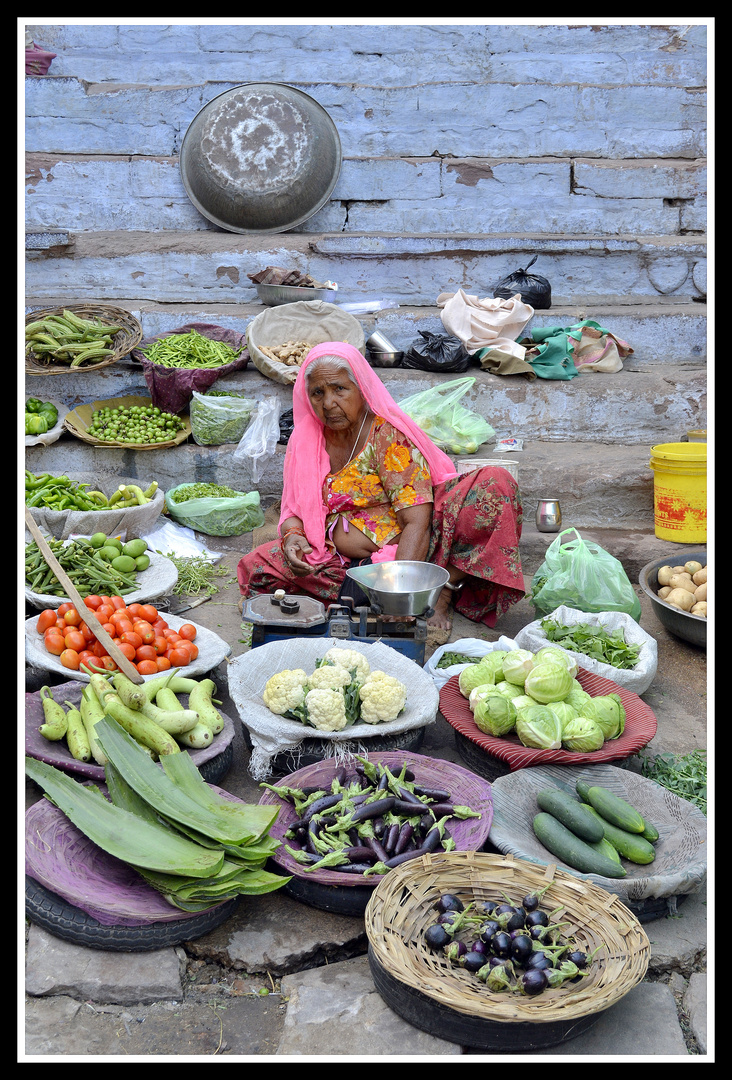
327 367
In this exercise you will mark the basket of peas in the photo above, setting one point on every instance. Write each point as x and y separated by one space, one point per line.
131 421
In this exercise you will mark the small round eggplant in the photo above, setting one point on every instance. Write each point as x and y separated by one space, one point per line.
479 946
436 937
501 944
517 921
533 982
450 902
503 909
538 959
522 947
473 961
578 958
537 918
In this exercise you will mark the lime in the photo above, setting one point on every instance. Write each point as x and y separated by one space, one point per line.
124 563
98 540
135 547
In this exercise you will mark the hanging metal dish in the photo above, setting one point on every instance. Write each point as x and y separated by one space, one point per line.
260 157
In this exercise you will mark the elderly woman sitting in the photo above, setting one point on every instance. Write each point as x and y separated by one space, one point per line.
363 483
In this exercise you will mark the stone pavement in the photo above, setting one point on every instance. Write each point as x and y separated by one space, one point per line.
282 979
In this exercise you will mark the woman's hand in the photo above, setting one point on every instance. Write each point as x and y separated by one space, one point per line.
294 548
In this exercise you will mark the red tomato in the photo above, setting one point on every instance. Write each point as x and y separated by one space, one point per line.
70 659
46 619
72 617
171 635
188 631
147 667
104 612
133 610
160 644
54 643
106 662
146 632
110 628
126 650
74 640
179 657
163 664
130 637
118 602
98 649
146 652
86 656
93 601
159 625
86 630
63 608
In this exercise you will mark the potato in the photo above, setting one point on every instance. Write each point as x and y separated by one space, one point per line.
700 577
664 575
681 598
692 567
682 581
678 569
663 593
700 609
700 593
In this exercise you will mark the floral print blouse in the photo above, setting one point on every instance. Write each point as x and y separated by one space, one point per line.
388 475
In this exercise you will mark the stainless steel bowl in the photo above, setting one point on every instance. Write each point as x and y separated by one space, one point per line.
260 157
384 359
682 624
274 295
401 587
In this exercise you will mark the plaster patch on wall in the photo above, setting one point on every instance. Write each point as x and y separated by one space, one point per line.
471 175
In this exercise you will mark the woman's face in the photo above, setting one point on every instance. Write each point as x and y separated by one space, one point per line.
334 396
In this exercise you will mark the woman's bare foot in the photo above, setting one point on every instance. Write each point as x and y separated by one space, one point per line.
442 617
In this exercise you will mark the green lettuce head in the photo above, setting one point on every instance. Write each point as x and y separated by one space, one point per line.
608 712
582 735
495 715
516 665
548 682
539 728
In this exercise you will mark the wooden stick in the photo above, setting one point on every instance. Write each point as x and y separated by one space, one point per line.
86 613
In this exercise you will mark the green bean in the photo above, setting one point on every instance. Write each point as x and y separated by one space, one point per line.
190 350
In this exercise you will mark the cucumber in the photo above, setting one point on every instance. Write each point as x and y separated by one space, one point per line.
650 833
614 809
572 813
631 846
563 843
604 847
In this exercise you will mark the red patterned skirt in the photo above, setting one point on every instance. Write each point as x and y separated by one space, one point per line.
476 527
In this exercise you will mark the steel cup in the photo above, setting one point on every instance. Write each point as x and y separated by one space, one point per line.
548 515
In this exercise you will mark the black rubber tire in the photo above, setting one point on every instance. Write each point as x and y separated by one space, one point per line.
349 900
63 920
213 770
472 1031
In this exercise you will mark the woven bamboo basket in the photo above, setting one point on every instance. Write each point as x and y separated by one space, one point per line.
79 420
124 340
429 992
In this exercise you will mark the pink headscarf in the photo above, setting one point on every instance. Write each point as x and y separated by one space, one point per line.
306 460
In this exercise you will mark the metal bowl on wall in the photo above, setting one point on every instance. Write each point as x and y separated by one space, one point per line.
260 157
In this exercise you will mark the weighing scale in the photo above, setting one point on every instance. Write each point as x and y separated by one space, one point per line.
275 616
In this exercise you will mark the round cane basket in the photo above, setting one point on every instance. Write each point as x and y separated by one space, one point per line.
124 341
431 993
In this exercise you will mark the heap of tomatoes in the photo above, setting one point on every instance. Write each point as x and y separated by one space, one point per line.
139 631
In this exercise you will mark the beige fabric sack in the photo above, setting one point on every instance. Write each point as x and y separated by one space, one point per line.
488 323
305 322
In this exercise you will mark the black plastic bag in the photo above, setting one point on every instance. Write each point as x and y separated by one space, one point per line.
287 425
437 352
532 288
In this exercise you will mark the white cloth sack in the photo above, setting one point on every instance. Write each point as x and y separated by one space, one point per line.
477 647
272 734
637 679
485 324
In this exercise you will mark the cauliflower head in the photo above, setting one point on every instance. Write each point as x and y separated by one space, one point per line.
329 677
383 697
352 660
285 691
326 709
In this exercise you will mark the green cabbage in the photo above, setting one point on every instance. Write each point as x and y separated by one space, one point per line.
539 728
553 652
516 666
564 711
608 712
495 714
475 675
548 682
583 735
510 690
523 701
493 661
479 692
577 696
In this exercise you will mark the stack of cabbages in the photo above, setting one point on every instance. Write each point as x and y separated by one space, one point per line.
537 696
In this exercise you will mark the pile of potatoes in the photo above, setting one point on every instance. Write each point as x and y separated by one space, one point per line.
684 587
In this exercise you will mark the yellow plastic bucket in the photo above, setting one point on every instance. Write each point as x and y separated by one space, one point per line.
680 491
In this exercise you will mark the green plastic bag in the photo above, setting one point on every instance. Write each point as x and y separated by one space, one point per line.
229 515
219 417
440 414
583 576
